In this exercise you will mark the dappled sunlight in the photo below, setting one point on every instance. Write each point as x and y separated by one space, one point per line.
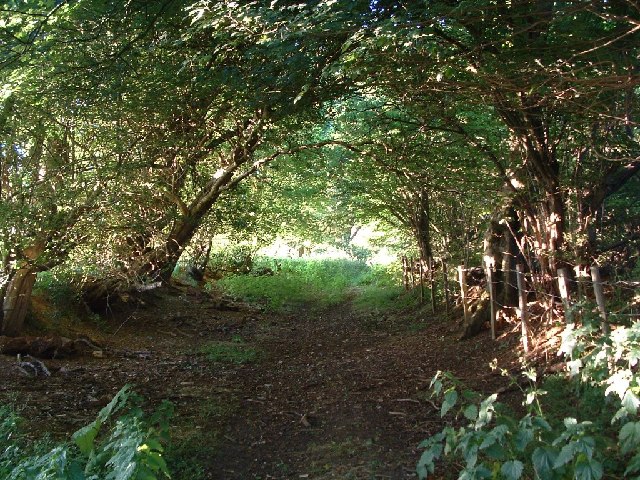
285 217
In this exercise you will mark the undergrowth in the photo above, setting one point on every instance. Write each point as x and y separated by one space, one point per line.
581 427
317 284
379 288
61 301
236 352
131 448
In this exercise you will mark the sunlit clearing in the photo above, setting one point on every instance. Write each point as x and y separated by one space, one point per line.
365 239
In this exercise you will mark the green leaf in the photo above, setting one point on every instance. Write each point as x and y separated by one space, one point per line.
588 469
543 459
433 439
426 464
633 466
488 441
629 436
512 470
566 455
471 412
522 438
470 455
85 437
436 385
540 422
478 472
450 399
630 402
496 452
486 411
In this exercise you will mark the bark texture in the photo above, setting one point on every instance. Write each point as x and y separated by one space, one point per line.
16 301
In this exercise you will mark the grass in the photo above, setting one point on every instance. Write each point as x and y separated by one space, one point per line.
380 289
319 284
322 283
236 352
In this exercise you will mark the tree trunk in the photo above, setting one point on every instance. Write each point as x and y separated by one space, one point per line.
420 224
16 301
590 209
480 314
159 263
500 251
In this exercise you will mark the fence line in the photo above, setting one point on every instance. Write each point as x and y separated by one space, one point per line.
564 293
548 288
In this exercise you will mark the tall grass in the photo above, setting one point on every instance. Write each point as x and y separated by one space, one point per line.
379 288
317 284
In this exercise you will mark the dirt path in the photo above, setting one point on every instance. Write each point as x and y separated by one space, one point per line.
334 394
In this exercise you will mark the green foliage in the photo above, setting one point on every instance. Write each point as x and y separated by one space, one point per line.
131 450
57 286
318 284
10 446
493 444
234 259
549 441
379 288
235 351
298 282
586 398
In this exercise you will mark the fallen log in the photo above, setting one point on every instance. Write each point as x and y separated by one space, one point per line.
47 347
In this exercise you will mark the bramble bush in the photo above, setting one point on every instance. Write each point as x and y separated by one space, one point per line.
484 441
132 449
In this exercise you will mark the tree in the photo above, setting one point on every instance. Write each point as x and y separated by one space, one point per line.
414 174
54 164
247 76
559 77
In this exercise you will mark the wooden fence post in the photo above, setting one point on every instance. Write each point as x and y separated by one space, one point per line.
564 294
432 285
580 276
492 298
597 290
411 273
462 277
522 304
445 280
405 273
421 273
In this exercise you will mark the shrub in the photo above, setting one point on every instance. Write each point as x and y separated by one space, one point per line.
606 439
132 449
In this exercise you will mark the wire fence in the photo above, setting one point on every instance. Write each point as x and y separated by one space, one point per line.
571 285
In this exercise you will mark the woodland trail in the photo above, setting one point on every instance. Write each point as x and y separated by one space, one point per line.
344 395
333 394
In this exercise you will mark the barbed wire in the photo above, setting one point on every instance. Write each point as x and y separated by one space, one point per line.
541 277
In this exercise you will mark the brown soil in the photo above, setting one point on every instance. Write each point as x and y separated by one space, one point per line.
336 394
